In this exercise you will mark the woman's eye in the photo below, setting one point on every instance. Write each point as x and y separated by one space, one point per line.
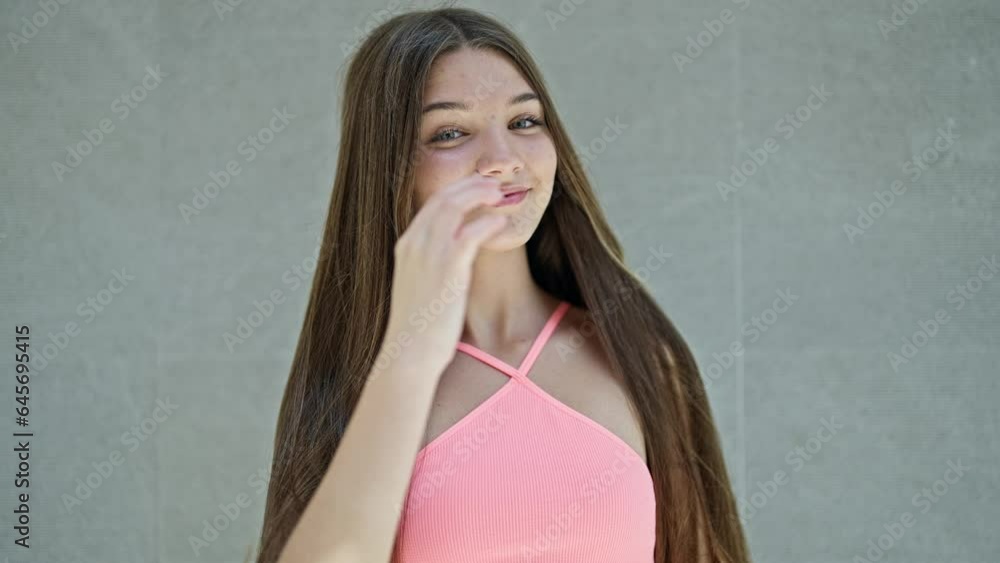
453 134
534 121
443 136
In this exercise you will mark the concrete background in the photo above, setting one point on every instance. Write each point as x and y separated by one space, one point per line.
895 90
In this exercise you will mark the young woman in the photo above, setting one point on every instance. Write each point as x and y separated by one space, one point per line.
462 221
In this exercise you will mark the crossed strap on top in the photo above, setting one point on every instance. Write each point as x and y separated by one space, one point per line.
520 372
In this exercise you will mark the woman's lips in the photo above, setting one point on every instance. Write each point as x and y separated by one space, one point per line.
512 198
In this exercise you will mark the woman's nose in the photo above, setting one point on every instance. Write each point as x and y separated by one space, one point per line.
498 156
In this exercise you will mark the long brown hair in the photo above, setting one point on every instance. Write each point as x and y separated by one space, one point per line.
573 255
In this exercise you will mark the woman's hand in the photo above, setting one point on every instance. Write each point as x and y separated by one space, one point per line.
433 267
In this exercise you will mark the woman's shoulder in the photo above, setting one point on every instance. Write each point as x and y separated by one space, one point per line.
578 334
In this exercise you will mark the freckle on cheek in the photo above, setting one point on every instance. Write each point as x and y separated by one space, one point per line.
449 158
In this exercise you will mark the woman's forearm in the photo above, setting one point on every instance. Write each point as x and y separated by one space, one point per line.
354 514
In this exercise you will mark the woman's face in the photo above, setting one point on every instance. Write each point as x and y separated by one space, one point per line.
480 132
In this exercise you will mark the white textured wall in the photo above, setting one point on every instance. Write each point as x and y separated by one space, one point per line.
890 93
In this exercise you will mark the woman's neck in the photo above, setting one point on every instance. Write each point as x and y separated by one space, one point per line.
504 302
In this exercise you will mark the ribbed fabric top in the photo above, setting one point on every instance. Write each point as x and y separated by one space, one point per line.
524 477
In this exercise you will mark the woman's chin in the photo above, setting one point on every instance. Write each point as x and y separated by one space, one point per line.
509 238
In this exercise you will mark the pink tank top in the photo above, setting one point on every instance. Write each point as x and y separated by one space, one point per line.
524 477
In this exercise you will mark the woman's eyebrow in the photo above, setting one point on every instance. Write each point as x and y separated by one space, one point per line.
518 99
